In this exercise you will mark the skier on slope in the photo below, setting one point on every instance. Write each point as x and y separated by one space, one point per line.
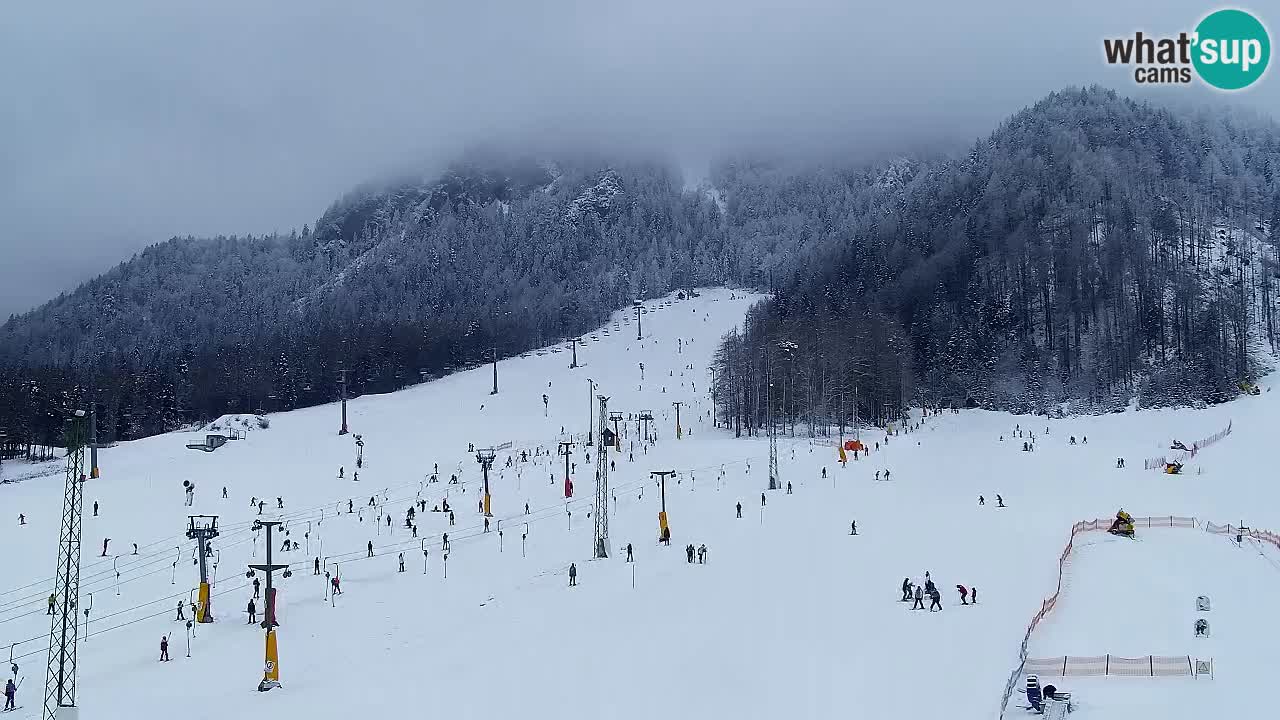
906 590
935 601
573 575
257 585
919 597
739 509
252 609
10 695
964 594
164 648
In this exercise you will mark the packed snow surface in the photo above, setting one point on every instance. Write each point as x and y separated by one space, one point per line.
791 616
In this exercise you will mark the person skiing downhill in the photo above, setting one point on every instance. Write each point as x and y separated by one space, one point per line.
935 600
964 594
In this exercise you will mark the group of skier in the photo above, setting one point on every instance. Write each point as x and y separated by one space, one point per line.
917 592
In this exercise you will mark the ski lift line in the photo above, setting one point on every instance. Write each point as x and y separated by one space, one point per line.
99 588
103 583
135 621
469 533
230 530
183 594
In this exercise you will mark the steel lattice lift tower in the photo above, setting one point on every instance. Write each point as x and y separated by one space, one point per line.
774 480
601 517
60 682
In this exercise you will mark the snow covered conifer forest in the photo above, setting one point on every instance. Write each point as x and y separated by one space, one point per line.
1090 252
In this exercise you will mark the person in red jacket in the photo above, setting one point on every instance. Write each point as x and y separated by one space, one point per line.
964 594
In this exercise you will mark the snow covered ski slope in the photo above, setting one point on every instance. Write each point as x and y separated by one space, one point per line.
790 616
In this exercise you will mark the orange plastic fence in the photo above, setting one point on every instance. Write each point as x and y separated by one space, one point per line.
1158 463
1172 521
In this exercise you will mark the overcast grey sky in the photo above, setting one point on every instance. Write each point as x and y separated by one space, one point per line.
124 123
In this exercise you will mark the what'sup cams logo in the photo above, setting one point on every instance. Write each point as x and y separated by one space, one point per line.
1228 50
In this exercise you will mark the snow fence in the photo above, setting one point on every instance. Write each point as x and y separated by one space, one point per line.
1049 602
1109 665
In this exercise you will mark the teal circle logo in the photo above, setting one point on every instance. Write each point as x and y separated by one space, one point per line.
1232 49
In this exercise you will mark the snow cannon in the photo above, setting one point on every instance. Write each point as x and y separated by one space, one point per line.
1122 525
1034 696
1173 468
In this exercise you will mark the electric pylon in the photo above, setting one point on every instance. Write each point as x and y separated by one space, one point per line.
60 682
203 529
602 482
